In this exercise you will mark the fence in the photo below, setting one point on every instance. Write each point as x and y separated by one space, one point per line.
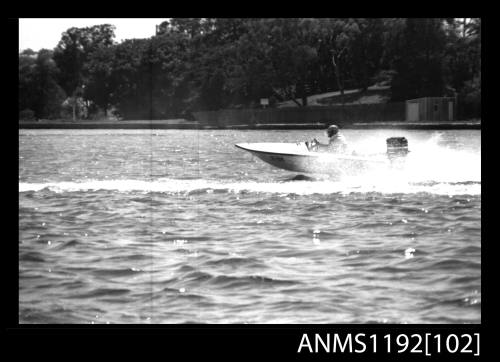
383 112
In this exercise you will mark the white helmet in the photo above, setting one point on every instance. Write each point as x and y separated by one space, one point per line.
332 130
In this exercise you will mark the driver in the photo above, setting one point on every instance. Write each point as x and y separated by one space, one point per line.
336 141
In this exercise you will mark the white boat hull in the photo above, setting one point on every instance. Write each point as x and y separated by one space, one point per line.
297 158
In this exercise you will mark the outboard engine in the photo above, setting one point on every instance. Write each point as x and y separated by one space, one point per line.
397 147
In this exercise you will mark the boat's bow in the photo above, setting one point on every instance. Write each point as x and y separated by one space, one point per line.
287 156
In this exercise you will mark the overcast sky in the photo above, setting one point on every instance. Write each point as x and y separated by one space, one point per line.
46 33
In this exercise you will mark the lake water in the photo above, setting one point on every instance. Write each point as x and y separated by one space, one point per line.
179 226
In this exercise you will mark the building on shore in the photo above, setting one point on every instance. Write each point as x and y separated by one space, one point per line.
440 109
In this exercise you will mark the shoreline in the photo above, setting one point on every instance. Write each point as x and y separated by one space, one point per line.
181 124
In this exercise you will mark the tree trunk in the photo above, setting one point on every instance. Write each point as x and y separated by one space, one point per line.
303 94
337 76
74 109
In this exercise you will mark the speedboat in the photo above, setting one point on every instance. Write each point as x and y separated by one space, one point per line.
301 157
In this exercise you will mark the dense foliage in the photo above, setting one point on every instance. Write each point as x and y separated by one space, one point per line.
211 63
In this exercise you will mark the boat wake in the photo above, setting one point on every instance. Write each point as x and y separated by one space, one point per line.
298 187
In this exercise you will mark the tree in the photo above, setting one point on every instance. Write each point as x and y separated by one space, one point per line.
27 73
366 49
416 49
350 52
38 89
284 51
462 64
340 39
171 67
187 26
73 52
99 88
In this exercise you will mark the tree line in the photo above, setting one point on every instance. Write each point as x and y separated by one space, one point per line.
212 63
